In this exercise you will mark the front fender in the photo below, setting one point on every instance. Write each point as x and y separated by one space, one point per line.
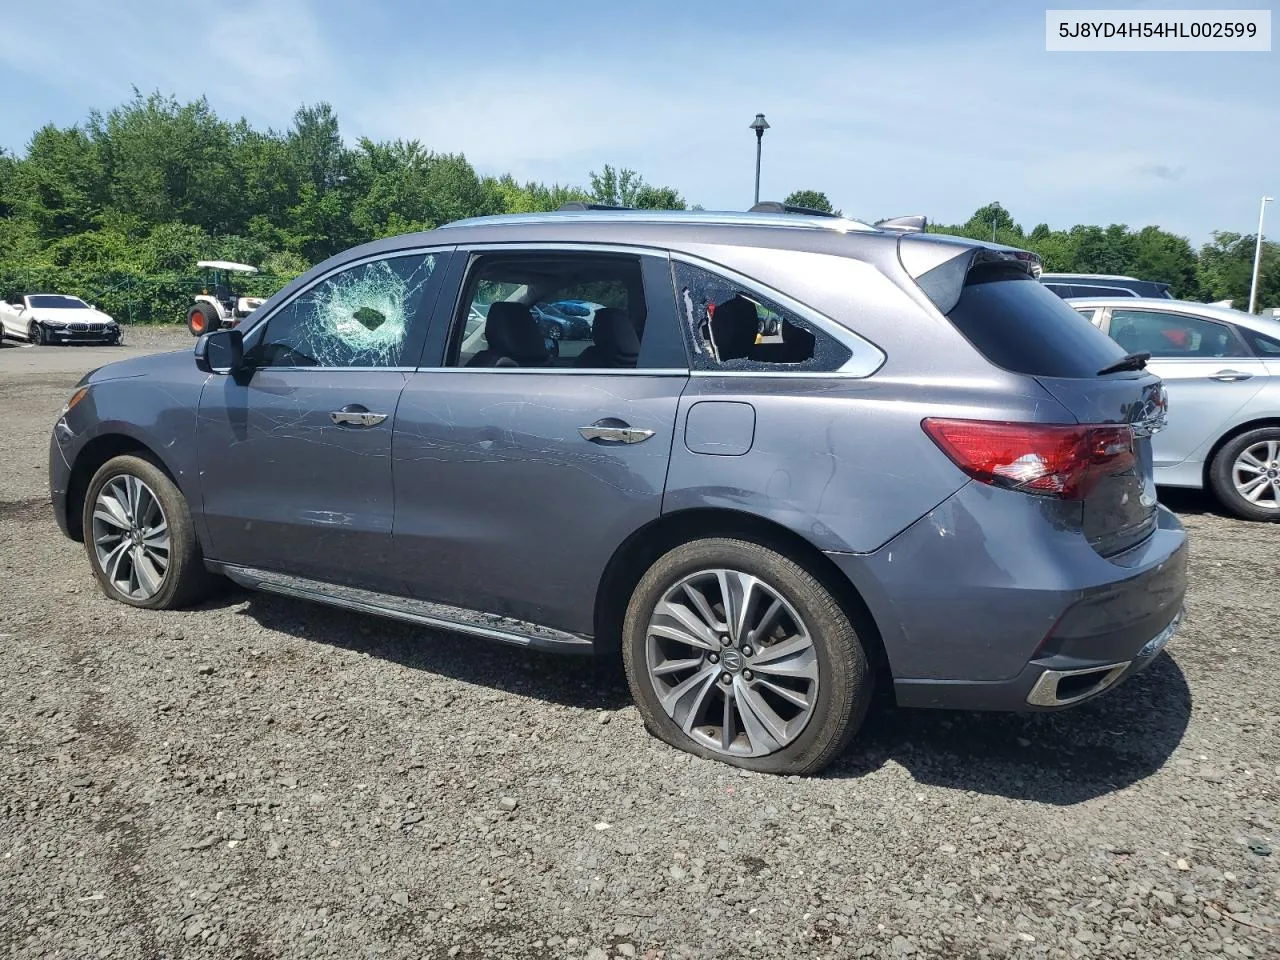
156 413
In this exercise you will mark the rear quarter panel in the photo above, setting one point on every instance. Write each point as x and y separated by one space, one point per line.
843 461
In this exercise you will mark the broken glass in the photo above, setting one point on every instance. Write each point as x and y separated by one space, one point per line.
360 317
753 333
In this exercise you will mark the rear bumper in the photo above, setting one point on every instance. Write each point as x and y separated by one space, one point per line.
1050 683
983 605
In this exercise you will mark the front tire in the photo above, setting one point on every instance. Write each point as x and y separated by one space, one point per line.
36 335
140 539
736 652
1245 474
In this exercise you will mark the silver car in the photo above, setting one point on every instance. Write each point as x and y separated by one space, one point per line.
933 475
1222 371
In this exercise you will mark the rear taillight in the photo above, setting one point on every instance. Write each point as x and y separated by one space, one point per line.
1054 461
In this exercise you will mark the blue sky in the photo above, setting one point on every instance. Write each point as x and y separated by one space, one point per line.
891 108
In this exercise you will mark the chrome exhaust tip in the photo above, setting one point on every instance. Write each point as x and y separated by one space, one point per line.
1060 688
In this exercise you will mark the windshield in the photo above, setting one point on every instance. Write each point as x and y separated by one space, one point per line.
53 301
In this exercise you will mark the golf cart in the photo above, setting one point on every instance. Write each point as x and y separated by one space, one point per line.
217 304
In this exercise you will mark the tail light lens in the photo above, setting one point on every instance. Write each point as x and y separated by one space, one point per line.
1053 461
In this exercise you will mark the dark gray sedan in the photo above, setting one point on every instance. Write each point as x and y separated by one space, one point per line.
932 473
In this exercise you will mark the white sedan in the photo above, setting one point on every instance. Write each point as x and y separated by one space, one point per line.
45 318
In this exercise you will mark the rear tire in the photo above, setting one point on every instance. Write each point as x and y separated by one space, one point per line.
784 695
202 319
1245 474
140 539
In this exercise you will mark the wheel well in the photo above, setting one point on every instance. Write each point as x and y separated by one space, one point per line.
639 551
95 453
1227 438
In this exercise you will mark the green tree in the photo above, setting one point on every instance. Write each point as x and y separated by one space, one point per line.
533 197
59 187
1226 270
167 161
1159 255
626 188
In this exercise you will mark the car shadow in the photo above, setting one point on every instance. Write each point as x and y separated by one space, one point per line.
1059 758
1062 758
1193 502
575 681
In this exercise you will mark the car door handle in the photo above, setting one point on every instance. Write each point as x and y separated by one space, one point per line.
355 415
614 431
1230 376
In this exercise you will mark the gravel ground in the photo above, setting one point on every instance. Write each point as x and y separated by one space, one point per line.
262 777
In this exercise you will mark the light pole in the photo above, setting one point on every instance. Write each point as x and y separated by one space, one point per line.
759 125
994 207
1257 255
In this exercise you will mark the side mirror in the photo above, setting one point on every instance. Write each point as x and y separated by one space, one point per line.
221 351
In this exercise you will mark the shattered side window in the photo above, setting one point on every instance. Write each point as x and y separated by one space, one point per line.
730 328
361 317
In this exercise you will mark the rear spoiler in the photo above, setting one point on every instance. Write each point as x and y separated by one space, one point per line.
940 264
915 223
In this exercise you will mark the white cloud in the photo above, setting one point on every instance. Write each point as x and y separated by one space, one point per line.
936 125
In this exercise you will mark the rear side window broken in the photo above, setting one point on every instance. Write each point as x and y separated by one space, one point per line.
731 328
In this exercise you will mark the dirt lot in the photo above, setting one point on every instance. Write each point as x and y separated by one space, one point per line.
266 778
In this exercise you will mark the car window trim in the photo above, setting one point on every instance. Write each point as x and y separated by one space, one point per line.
865 358
468 250
259 323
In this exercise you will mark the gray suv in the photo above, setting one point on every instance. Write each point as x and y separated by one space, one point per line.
798 457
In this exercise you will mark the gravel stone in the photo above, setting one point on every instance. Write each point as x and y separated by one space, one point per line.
343 786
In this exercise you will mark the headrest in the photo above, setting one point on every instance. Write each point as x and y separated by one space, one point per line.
615 335
511 331
734 326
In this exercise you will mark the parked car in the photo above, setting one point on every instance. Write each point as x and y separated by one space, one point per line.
557 324
45 318
1221 368
1067 285
937 476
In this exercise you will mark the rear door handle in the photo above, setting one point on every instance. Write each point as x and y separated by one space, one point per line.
1230 376
611 430
355 415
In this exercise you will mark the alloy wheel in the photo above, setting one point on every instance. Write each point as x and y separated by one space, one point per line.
732 663
1256 474
131 537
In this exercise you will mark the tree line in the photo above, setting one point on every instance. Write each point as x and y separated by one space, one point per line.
119 208
1220 270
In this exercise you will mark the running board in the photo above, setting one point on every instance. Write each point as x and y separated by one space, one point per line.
439 615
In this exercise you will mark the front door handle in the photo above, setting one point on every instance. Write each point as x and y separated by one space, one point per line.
612 430
355 415
1230 376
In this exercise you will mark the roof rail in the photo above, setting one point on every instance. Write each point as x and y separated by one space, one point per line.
587 205
773 206
616 215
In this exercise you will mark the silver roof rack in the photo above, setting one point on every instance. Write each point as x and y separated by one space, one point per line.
708 217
